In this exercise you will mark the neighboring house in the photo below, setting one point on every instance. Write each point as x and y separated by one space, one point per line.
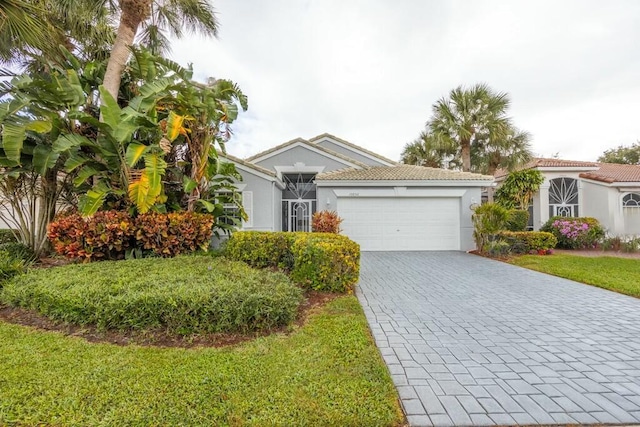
384 205
609 192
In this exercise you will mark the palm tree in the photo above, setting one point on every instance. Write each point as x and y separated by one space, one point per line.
34 28
21 28
507 152
156 17
32 32
424 151
467 116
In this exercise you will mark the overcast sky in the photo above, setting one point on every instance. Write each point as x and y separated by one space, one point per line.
369 71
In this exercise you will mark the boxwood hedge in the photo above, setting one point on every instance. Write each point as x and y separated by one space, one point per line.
320 261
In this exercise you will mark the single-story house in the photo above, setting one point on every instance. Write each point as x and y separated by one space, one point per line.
609 192
384 205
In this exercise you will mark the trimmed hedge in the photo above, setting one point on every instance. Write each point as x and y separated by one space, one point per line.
262 249
524 242
328 262
320 261
189 294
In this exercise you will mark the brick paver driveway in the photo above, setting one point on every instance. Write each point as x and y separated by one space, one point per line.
471 341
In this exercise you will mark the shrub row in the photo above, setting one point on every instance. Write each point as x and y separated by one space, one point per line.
524 242
188 294
7 236
320 261
111 235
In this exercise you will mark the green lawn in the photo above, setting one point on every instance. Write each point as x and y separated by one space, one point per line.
616 274
328 372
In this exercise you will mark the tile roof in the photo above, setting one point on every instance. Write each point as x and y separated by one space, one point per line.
400 172
613 172
304 141
549 163
248 164
315 139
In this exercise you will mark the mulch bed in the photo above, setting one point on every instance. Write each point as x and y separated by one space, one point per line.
159 338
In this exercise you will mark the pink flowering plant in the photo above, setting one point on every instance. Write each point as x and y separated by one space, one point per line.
575 233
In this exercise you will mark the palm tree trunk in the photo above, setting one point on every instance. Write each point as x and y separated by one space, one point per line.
465 152
132 13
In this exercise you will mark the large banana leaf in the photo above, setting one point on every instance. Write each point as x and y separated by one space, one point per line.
84 174
74 161
44 158
174 126
109 109
139 194
134 152
154 170
70 140
89 203
39 126
13 136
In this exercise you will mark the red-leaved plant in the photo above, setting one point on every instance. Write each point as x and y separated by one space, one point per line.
326 222
110 235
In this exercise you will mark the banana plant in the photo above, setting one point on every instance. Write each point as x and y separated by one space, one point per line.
35 124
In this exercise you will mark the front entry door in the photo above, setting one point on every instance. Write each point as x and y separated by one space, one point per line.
298 214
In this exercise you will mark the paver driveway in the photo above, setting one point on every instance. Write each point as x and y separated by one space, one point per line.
471 341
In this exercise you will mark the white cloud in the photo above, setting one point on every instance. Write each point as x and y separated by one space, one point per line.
369 71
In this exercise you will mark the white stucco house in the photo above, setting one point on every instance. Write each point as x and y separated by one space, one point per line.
607 191
384 205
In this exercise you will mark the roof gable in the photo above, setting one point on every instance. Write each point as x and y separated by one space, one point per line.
352 148
250 167
299 142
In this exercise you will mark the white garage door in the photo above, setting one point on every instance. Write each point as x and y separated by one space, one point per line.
402 224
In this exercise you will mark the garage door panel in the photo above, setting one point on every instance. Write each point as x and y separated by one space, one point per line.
402 223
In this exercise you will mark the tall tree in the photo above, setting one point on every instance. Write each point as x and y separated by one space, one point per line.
474 117
507 152
156 17
42 26
21 27
622 154
424 151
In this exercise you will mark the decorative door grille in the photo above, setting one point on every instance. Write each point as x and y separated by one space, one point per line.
563 197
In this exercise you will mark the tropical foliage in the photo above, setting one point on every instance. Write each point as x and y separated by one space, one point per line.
32 31
488 220
518 188
158 19
622 154
425 151
113 235
470 130
154 149
326 222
